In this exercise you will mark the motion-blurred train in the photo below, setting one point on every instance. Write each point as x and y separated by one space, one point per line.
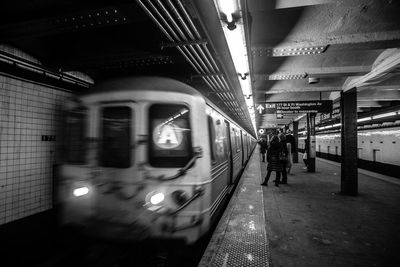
378 147
148 157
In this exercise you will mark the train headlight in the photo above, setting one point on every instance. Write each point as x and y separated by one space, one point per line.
157 198
81 191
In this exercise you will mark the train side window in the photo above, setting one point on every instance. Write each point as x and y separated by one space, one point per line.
116 148
75 128
238 143
170 135
211 133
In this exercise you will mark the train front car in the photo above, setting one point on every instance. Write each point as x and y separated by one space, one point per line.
136 161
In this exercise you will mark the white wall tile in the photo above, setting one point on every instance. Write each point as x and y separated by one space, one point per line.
27 111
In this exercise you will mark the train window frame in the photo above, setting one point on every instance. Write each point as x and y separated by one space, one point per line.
212 137
233 139
163 161
84 124
105 105
238 142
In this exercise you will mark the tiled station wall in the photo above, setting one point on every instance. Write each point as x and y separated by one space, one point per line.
30 121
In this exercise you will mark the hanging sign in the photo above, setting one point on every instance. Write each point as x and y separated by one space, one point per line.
294 107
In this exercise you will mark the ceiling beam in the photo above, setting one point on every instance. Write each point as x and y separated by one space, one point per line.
368 104
299 90
82 20
350 42
381 68
299 3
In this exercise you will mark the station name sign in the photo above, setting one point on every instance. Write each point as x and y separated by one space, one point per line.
294 107
324 117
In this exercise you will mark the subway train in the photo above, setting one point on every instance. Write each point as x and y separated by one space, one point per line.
378 147
148 158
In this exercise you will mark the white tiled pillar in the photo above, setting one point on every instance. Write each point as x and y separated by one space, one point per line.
29 115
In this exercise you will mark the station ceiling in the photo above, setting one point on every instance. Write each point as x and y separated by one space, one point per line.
358 42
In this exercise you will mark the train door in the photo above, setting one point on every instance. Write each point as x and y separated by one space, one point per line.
115 166
242 146
229 151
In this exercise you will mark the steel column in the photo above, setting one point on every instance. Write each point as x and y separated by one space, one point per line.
311 142
296 141
349 174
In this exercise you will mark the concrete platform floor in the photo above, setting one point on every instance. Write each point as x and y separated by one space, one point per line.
309 223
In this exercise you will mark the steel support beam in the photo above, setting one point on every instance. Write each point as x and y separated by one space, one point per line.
296 141
311 142
349 172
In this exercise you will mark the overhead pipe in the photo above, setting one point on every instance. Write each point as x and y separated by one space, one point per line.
175 25
203 63
191 36
196 32
148 12
196 58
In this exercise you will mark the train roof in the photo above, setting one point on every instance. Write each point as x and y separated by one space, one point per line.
144 83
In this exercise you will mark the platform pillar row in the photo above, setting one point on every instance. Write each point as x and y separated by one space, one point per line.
296 141
349 172
311 142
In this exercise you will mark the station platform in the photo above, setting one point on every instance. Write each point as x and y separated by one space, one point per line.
308 222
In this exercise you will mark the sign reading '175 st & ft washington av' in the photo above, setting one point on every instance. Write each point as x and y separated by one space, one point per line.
293 107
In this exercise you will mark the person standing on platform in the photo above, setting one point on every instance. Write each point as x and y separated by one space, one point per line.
263 148
283 157
273 152
305 160
291 146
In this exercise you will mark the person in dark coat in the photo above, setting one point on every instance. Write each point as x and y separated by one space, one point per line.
285 153
263 148
273 152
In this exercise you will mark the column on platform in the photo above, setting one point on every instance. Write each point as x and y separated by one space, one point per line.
349 172
296 141
311 142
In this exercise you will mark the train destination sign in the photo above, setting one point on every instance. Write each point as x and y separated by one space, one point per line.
294 107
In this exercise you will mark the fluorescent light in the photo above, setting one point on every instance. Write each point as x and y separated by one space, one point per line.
237 47
337 125
300 117
364 119
81 191
228 8
236 40
384 115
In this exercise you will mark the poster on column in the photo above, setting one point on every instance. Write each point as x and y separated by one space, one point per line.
294 107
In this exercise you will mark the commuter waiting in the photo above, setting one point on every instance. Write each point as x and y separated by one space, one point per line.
273 152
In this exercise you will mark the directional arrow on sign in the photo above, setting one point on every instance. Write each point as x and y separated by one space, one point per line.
260 108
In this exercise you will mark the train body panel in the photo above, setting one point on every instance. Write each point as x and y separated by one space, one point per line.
150 161
379 145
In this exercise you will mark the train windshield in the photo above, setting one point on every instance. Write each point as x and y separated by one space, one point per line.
75 127
116 142
170 135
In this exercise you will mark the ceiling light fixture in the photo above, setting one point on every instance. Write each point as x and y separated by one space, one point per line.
229 12
384 115
364 119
